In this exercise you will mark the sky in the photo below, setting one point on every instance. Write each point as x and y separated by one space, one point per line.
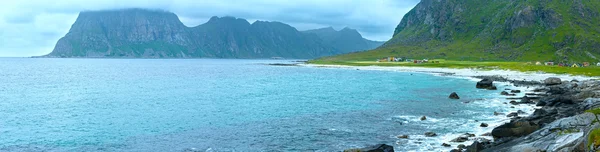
32 27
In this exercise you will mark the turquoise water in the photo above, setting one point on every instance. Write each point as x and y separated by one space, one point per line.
225 105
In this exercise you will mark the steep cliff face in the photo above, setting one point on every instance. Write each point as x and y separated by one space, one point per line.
516 30
346 40
140 33
125 33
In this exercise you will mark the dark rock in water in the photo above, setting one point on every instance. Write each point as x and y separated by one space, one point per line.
515 91
525 99
512 106
446 145
483 125
512 114
475 147
468 135
497 113
403 136
482 140
513 102
374 148
430 134
514 129
459 139
503 93
455 150
512 94
541 103
552 81
453 95
423 118
461 146
521 112
486 134
492 88
485 84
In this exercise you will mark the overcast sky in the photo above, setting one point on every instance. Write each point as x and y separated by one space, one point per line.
32 27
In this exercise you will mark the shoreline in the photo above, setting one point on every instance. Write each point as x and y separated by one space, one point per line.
528 82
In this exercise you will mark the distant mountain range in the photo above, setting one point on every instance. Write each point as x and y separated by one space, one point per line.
141 33
495 30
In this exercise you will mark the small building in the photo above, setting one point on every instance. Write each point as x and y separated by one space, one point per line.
397 59
561 64
425 60
409 60
549 63
586 64
598 64
575 65
538 63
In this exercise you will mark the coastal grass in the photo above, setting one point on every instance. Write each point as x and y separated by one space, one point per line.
493 65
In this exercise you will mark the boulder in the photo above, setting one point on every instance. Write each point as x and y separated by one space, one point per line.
374 148
423 118
461 146
402 136
521 112
456 150
475 147
552 81
503 93
525 99
498 113
492 88
484 84
486 134
446 145
515 91
483 125
513 102
459 139
430 134
468 135
512 114
514 129
453 95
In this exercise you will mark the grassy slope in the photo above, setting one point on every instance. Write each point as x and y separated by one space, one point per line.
482 35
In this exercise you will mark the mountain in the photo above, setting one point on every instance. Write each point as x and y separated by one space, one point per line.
141 33
346 40
495 30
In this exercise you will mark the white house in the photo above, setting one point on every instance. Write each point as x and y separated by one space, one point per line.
598 64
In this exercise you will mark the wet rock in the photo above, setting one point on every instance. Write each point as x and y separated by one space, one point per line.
430 134
446 145
461 146
521 112
483 125
525 99
460 139
552 81
468 135
514 129
515 91
455 150
423 118
513 102
512 114
402 136
484 84
492 88
475 147
374 148
486 134
482 140
498 113
453 95
503 93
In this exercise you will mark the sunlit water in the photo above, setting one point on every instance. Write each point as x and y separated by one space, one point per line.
228 105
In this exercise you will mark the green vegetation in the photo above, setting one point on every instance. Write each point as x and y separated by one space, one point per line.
567 131
517 66
594 138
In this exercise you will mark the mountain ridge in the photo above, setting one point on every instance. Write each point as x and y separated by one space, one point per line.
142 33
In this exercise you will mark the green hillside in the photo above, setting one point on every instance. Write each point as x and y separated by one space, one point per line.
494 30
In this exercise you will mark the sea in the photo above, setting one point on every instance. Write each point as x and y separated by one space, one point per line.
57 104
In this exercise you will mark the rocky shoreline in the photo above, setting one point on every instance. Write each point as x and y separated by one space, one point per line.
559 122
